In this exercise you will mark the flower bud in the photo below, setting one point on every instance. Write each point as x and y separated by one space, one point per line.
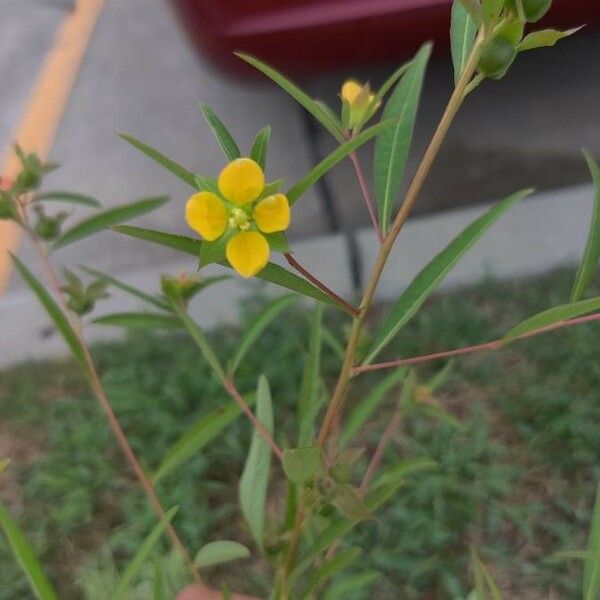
496 58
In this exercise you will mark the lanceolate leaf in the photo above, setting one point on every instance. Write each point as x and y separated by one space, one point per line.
393 145
128 288
329 568
591 567
462 37
139 320
222 135
177 170
544 38
260 145
206 429
26 557
553 316
272 272
217 553
55 313
591 256
424 284
255 477
267 316
335 157
297 94
142 554
69 198
107 219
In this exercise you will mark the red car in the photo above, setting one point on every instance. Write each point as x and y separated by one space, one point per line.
316 35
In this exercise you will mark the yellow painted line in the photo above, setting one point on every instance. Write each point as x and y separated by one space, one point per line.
46 106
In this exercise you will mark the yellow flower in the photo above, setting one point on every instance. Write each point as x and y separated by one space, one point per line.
359 98
240 213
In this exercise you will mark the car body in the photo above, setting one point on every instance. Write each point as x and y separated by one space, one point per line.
308 36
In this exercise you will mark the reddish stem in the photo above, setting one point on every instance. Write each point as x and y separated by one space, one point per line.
494 345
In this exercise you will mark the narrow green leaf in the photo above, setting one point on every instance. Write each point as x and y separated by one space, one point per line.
222 135
255 477
297 94
177 170
591 566
431 276
26 557
341 152
334 345
277 241
551 317
217 553
361 412
200 434
393 145
272 273
140 557
258 153
463 31
108 218
139 320
473 7
398 471
214 252
201 340
208 184
301 465
483 575
154 300
345 585
55 313
591 256
69 198
544 38
266 317
329 568
308 403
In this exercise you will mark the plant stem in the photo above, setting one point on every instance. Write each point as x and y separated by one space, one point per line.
366 195
487 346
262 430
352 310
99 392
409 201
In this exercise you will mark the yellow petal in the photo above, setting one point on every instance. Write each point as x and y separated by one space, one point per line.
247 252
241 181
272 213
206 214
350 90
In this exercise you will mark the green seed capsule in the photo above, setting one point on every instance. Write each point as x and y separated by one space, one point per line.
496 58
47 228
533 10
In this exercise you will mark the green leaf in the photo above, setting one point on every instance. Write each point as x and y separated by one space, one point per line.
217 553
544 38
272 273
155 301
139 320
277 241
308 403
69 198
258 153
482 575
55 313
396 473
431 276
199 435
255 477
222 135
329 568
271 311
140 557
348 501
201 340
463 31
591 256
473 8
301 465
341 152
392 146
26 557
207 184
491 10
107 219
214 252
591 567
361 412
340 589
312 106
552 316
177 170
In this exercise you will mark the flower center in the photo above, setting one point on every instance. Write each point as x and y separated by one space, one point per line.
239 219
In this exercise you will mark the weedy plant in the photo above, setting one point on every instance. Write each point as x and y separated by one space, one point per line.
322 486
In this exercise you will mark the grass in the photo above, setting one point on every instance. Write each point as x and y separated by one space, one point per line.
517 478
